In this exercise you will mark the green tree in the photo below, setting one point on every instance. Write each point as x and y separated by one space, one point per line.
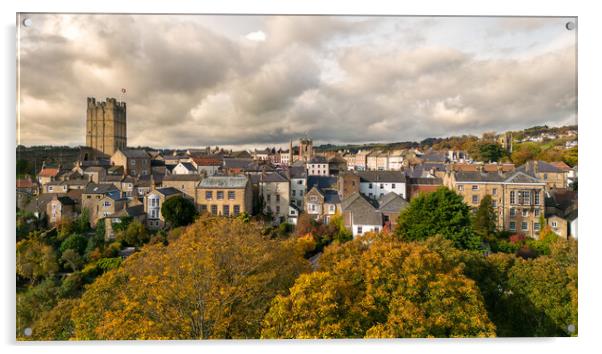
379 287
134 234
491 152
525 152
75 242
485 219
571 156
178 211
439 213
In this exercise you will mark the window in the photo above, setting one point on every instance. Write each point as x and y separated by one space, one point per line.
313 207
313 198
203 208
536 226
512 225
220 195
300 193
494 203
359 229
107 203
277 198
294 193
475 199
524 226
300 181
214 209
268 197
536 198
475 188
226 210
236 210
382 194
536 212
512 212
554 224
208 195
393 186
382 186
133 162
512 197
376 229
369 185
332 208
277 209
545 176
50 188
525 213
494 191
524 197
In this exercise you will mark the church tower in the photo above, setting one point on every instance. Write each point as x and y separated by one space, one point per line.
106 129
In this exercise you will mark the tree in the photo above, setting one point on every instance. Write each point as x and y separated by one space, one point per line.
485 218
35 260
379 287
491 152
442 212
75 242
525 152
134 234
55 324
571 156
71 258
178 211
215 281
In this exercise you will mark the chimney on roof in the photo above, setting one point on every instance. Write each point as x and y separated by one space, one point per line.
535 166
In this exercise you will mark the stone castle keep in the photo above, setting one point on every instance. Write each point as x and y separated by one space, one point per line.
106 129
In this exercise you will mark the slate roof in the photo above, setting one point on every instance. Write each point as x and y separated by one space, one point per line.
542 167
331 196
102 188
93 169
269 177
242 163
363 211
321 182
224 182
392 203
318 159
135 153
167 191
381 176
432 181
188 166
297 171
495 177
133 211
191 177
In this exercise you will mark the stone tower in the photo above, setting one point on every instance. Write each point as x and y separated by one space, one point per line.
306 150
106 129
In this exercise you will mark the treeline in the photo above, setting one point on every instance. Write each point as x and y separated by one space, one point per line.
444 272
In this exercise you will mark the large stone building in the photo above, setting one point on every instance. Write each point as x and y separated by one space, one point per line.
106 129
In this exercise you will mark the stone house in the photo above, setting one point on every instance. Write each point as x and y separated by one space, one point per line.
153 201
225 195
273 189
59 208
553 176
375 184
518 199
136 162
322 204
187 184
92 195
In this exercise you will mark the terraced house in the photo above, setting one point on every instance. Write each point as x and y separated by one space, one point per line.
518 199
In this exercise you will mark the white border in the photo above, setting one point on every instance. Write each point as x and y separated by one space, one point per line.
590 60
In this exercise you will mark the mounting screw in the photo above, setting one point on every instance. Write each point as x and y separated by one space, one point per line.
27 22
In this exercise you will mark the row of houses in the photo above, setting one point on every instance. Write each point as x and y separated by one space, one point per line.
136 183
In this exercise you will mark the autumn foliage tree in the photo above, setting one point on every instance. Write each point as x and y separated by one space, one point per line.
215 281
380 287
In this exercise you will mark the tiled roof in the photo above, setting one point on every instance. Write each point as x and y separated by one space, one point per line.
224 182
24 183
48 172
207 161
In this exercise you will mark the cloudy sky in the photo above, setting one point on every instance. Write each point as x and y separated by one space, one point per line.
262 80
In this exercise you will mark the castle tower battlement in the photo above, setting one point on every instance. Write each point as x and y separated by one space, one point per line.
106 127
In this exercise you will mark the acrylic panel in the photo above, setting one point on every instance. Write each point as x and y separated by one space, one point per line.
295 177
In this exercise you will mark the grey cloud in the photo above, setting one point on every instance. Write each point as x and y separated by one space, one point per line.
190 85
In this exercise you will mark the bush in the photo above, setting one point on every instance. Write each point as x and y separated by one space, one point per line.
75 242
